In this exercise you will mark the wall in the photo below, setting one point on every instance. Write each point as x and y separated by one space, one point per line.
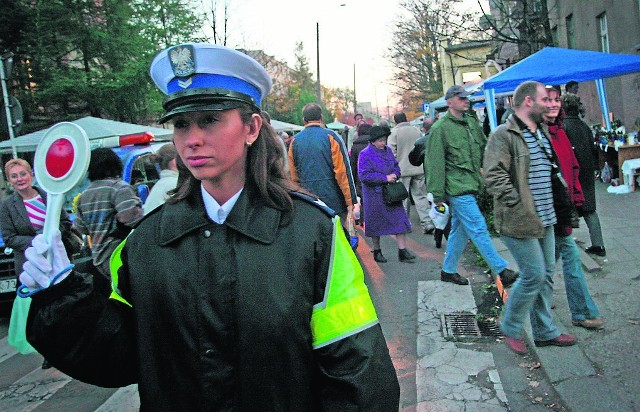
464 58
623 18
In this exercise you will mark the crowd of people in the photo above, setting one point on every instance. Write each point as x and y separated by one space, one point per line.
238 286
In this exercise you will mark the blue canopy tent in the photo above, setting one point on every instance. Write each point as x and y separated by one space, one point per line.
553 65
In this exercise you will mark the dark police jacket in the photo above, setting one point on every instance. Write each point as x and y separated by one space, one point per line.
241 316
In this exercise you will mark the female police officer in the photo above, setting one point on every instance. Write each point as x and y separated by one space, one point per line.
239 293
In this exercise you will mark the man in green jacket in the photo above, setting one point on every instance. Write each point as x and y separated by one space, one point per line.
454 150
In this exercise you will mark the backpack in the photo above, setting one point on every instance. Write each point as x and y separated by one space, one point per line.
416 155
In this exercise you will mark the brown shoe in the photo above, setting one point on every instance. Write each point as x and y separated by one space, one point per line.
595 323
561 340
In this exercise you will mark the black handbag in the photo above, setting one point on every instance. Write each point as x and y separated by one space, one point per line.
393 193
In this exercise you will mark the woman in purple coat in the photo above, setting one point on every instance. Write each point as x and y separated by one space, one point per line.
376 167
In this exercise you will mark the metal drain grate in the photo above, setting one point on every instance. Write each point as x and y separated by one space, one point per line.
489 328
460 325
465 325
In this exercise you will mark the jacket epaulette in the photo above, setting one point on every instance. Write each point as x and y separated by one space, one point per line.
316 202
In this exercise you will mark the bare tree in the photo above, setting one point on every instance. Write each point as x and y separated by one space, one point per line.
214 21
521 25
421 30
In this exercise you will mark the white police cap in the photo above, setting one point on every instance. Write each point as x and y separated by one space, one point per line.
203 77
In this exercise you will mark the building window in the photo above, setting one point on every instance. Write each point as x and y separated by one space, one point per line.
604 33
570 32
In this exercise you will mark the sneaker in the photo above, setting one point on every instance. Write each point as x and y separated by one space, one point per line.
596 250
595 323
508 277
516 345
453 278
562 340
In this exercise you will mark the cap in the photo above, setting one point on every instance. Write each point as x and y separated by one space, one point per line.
377 132
456 91
204 77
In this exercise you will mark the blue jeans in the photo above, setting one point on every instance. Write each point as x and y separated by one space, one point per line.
580 303
467 222
533 291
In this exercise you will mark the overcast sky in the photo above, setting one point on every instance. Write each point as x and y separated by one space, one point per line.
351 32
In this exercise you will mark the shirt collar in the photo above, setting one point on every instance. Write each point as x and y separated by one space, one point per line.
216 212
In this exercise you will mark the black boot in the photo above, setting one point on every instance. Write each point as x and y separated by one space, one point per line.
405 255
377 256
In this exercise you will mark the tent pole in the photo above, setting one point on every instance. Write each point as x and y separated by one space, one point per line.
490 101
604 105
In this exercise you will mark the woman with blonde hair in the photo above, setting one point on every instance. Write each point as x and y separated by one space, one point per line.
22 214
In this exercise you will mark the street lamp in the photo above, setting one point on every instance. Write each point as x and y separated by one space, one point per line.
355 101
318 91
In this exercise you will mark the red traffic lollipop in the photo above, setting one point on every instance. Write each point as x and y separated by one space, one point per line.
61 160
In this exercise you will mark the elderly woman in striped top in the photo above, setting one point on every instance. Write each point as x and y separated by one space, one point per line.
22 214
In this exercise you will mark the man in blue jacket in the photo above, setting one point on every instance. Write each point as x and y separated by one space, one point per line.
319 162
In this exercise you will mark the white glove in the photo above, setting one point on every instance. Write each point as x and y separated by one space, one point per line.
38 272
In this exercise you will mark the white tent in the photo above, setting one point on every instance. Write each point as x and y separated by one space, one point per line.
284 126
96 128
336 126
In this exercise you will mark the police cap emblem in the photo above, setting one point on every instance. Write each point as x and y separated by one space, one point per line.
182 60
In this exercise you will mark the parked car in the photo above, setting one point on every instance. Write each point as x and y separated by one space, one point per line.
7 273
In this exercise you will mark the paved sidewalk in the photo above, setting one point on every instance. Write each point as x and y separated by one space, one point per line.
601 372
449 376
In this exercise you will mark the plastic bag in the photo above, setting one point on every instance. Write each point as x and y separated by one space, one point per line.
605 174
438 214
18 326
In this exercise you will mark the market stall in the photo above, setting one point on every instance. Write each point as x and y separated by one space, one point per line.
577 65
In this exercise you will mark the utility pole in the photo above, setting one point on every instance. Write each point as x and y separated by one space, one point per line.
318 91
